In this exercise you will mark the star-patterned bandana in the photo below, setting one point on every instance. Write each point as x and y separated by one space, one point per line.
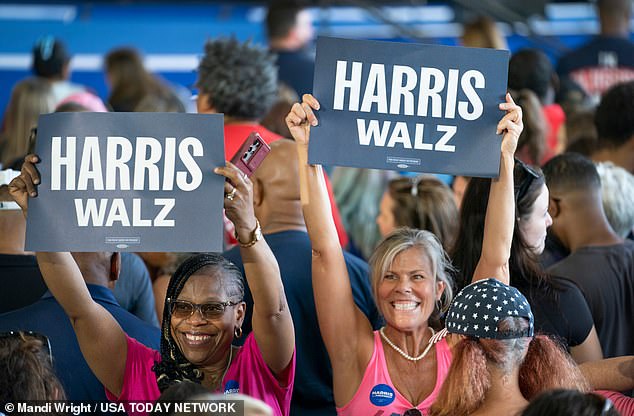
478 308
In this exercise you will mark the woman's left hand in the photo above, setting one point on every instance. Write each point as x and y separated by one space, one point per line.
511 125
238 198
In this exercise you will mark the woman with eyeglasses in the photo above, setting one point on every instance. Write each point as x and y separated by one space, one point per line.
424 203
203 313
400 368
558 305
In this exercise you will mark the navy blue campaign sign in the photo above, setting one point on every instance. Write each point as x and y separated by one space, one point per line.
402 106
128 182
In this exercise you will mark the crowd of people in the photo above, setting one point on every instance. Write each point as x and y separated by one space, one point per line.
345 291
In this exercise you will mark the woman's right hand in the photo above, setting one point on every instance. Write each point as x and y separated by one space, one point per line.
301 117
25 185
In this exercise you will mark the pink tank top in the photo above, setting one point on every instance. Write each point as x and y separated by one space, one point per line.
377 396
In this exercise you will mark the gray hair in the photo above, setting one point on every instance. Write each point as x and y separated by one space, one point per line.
617 193
405 238
240 78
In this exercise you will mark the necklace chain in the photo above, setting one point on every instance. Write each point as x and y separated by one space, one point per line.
219 381
403 353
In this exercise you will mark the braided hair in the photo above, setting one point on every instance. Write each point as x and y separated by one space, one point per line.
174 367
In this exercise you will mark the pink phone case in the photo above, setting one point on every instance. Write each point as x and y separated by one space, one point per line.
251 154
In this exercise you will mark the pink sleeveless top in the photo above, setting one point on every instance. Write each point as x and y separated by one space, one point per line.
377 395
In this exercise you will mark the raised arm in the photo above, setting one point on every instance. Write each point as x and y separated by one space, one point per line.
343 326
500 216
101 339
615 373
272 322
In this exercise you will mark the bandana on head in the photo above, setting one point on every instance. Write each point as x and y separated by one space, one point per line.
478 308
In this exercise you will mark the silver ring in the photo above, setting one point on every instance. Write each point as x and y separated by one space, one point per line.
231 194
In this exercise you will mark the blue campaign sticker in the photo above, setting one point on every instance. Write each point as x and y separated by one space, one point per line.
382 395
232 387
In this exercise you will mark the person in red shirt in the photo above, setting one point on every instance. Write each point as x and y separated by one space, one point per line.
239 79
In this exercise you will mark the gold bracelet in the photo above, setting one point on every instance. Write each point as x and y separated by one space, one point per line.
256 235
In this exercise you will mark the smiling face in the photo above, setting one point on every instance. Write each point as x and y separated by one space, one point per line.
205 341
408 290
534 226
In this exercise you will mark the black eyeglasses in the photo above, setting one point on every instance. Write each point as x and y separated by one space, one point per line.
524 175
23 335
413 412
182 309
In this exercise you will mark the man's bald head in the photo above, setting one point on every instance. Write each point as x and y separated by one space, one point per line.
276 188
279 173
99 268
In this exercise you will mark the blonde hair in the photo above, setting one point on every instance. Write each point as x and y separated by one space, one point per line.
29 98
482 32
403 239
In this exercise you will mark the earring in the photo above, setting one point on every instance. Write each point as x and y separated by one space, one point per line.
237 332
438 305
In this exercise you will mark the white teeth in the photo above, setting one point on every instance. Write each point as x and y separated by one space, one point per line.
405 306
197 338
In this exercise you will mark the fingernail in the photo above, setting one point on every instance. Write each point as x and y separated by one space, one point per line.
36 181
216 170
33 193
314 123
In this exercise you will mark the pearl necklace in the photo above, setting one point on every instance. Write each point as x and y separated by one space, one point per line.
403 353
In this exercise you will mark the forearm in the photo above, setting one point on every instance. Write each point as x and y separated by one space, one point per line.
263 277
272 322
500 221
316 205
63 278
610 374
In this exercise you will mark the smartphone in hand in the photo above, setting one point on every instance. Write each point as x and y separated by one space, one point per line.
251 154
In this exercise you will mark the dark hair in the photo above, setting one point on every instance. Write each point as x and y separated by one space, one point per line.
561 402
49 57
240 78
281 17
179 391
581 133
614 117
131 82
71 107
26 372
531 69
615 8
533 136
523 263
571 172
572 97
173 366
425 203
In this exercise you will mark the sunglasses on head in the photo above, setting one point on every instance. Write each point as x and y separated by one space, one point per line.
182 309
526 177
407 185
23 335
